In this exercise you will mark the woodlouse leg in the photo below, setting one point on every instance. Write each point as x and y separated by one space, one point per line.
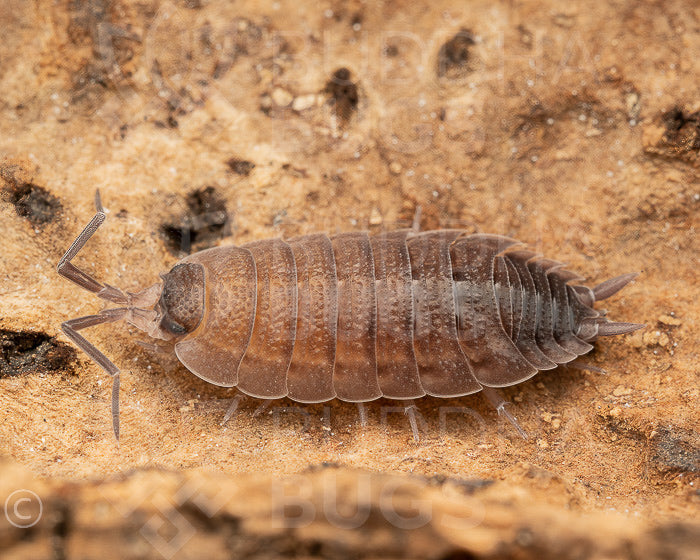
415 226
233 407
326 420
262 408
157 348
71 328
583 366
363 414
411 410
68 270
500 403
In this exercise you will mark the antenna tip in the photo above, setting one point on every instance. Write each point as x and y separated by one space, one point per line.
98 201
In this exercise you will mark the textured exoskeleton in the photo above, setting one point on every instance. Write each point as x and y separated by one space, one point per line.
357 317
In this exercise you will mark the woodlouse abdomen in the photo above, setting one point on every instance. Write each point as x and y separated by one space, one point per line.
357 317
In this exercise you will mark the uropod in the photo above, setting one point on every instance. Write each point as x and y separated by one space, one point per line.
353 316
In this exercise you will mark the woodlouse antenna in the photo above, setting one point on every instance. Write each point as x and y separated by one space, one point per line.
71 328
104 291
68 270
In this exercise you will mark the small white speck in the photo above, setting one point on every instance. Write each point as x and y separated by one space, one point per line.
550 121
328 14
356 26
533 159
633 122
609 173
582 118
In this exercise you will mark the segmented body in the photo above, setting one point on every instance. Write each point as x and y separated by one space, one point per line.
398 314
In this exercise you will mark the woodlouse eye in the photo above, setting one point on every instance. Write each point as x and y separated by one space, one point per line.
171 326
182 298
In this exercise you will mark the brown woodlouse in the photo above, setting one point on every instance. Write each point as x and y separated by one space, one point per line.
357 317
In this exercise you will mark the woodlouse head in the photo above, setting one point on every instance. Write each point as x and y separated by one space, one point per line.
169 310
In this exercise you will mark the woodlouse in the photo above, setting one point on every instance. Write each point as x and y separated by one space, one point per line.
357 317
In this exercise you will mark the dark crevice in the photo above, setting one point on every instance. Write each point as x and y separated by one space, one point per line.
343 92
23 353
454 57
203 223
240 166
30 200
